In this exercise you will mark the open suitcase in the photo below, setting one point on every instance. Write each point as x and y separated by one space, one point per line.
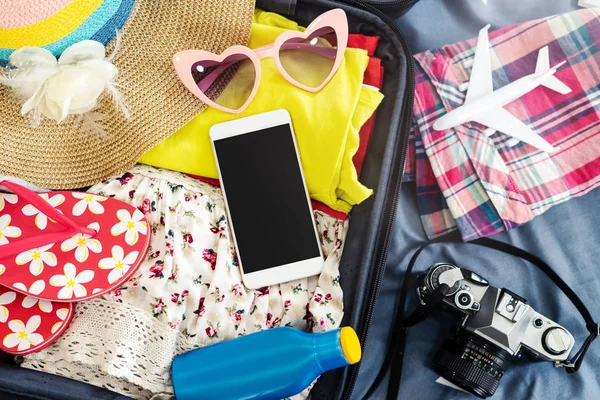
364 259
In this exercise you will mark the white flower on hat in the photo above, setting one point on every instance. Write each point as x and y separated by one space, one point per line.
70 85
71 282
23 335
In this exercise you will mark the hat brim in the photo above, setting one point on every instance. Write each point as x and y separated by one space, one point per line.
63 156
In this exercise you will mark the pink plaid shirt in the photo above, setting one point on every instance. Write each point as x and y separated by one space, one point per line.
480 185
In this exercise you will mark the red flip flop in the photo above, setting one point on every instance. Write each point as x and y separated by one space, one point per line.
68 246
28 324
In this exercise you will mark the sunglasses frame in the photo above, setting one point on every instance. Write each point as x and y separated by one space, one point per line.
334 19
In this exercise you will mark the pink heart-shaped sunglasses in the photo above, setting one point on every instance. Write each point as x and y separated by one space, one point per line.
320 48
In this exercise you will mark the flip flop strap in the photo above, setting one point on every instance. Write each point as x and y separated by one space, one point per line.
71 228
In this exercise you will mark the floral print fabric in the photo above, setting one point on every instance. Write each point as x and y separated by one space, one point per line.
190 281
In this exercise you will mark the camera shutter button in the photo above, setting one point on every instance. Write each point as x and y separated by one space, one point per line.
464 300
556 341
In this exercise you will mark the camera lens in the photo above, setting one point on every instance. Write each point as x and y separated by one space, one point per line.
471 362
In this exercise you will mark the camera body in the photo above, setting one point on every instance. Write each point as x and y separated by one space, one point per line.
497 325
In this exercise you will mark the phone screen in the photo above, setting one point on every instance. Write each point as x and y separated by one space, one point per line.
267 202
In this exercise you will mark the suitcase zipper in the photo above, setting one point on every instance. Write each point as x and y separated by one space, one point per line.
404 130
381 5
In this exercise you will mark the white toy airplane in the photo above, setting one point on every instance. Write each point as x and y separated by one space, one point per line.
484 105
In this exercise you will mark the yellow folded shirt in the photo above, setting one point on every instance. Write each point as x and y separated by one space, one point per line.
326 123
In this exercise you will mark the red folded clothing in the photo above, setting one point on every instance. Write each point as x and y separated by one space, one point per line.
373 77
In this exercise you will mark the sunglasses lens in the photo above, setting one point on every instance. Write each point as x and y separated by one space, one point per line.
309 61
227 83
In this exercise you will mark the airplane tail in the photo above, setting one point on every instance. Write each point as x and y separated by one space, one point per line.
551 82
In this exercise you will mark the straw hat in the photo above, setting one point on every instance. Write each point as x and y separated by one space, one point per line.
63 156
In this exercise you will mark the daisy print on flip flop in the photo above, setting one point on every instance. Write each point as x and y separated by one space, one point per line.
8 198
62 314
118 263
41 220
132 225
36 288
23 335
6 230
6 299
71 282
37 258
88 201
83 243
90 245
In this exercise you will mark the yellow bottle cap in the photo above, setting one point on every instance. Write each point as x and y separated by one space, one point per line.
350 345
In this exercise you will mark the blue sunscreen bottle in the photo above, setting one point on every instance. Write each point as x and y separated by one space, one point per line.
271 364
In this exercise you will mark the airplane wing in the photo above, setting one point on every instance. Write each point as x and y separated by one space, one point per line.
480 82
503 121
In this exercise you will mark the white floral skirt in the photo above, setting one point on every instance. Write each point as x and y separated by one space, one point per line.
188 292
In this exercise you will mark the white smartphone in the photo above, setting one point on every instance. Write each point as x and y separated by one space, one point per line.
268 206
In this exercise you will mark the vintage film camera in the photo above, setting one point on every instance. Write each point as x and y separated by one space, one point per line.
496 326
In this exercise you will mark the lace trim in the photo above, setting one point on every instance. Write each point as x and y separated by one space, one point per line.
120 348
115 340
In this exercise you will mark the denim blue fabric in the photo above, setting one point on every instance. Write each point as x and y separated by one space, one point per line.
567 237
